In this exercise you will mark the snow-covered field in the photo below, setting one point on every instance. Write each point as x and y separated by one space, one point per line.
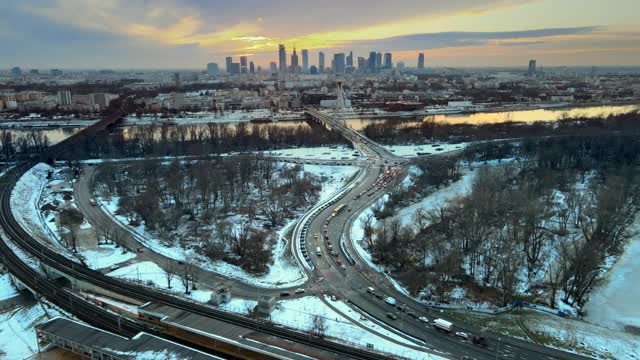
299 314
282 273
413 150
615 303
7 290
25 206
587 338
333 177
151 274
17 334
318 153
239 306
440 197
105 256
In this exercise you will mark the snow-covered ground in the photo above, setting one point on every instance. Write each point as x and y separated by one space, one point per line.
423 149
318 153
333 178
282 273
440 197
105 256
25 206
7 290
299 314
591 339
239 306
615 303
18 338
151 274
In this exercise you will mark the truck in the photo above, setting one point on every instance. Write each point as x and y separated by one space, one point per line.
443 325
318 252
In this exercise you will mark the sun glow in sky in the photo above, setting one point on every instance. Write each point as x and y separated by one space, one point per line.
190 33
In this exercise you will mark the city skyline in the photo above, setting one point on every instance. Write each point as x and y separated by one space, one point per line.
188 34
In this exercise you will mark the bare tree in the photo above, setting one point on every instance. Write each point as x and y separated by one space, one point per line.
319 326
169 273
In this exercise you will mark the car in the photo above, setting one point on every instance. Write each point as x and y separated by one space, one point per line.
462 335
343 267
392 316
412 314
93 202
334 298
139 250
299 291
371 290
423 320
389 300
285 293
402 308
114 267
379 296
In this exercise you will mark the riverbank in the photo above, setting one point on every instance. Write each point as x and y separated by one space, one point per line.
499 113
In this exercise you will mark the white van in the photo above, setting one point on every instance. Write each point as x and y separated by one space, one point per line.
318 252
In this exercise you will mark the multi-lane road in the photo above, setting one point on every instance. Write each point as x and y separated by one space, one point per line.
349 280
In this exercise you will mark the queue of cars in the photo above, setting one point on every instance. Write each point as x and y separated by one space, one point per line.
439 324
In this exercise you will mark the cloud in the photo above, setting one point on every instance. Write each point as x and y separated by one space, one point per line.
454 39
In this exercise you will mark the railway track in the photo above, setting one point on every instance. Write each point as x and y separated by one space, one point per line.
95 315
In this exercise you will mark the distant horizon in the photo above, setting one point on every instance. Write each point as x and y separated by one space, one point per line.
45 69
187 34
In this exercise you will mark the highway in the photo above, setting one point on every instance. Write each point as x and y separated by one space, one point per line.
92 314
351 283
348 284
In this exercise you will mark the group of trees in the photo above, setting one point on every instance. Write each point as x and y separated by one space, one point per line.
221 207
209 138
12 143
402 131
550 217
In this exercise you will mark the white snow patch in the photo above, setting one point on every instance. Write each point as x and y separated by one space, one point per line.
7 290
318 153
423 149
615 303
17 334
299 314
105 256
151 274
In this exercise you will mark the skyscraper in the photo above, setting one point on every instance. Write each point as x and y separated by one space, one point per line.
378 60
294 59
305 61
273 67
532 67
350 60
252 68
212 69
338 63
321 62
243 64
421 61
372 62
235 69
176 80
282 56
229 61
388 61
362 64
